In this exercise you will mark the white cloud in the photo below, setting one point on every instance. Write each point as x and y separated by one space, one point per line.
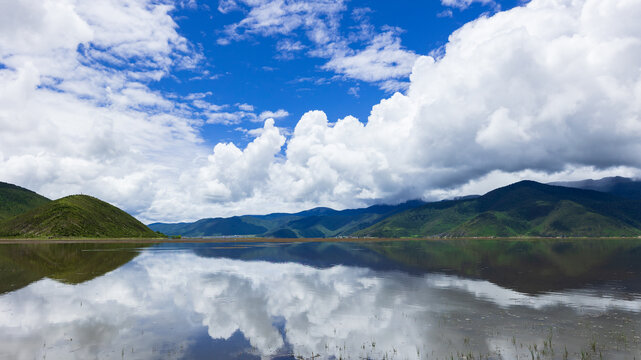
229 118
287 47
202 104
379 56
245 107
445 13
382 59
70 123
319 19
225 6
464 4
214 115
197 96
232 174
280 113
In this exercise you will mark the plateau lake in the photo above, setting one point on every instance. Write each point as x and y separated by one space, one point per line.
445 299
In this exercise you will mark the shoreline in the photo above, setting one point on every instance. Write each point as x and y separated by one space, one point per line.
277 240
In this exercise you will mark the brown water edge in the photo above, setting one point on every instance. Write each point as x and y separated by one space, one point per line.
72 240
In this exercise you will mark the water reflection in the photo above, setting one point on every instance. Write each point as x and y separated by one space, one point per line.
22 264
176 304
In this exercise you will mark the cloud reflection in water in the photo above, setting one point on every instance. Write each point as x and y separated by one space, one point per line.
157 305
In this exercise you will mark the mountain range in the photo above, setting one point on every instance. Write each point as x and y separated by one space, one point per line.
606 207
526 208
315 223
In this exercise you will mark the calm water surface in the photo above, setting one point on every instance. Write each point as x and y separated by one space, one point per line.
494 299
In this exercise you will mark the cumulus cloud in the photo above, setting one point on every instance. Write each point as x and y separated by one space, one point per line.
232 174
70 122
464 4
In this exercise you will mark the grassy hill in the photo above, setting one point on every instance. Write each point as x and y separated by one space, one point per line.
317 222
75 216
15 200
524 208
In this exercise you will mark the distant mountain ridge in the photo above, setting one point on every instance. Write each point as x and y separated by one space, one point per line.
316 222
526 208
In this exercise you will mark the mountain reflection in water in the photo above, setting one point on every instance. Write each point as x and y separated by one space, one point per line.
200 301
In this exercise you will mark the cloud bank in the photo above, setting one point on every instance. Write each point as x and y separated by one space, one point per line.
548 90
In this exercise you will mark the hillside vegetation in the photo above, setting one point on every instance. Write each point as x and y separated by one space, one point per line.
75 216
15 200
526 208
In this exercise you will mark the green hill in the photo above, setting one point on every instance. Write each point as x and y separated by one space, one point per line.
75 216
15 200
526 208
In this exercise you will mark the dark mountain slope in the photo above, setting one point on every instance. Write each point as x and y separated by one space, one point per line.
15 200
620 186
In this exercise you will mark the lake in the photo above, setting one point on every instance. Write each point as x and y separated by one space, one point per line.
449 299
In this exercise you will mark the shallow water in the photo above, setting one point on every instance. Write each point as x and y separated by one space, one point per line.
399 300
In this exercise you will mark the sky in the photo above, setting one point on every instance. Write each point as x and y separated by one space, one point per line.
176 110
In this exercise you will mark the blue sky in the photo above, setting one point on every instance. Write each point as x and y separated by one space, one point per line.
255 71
176 110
